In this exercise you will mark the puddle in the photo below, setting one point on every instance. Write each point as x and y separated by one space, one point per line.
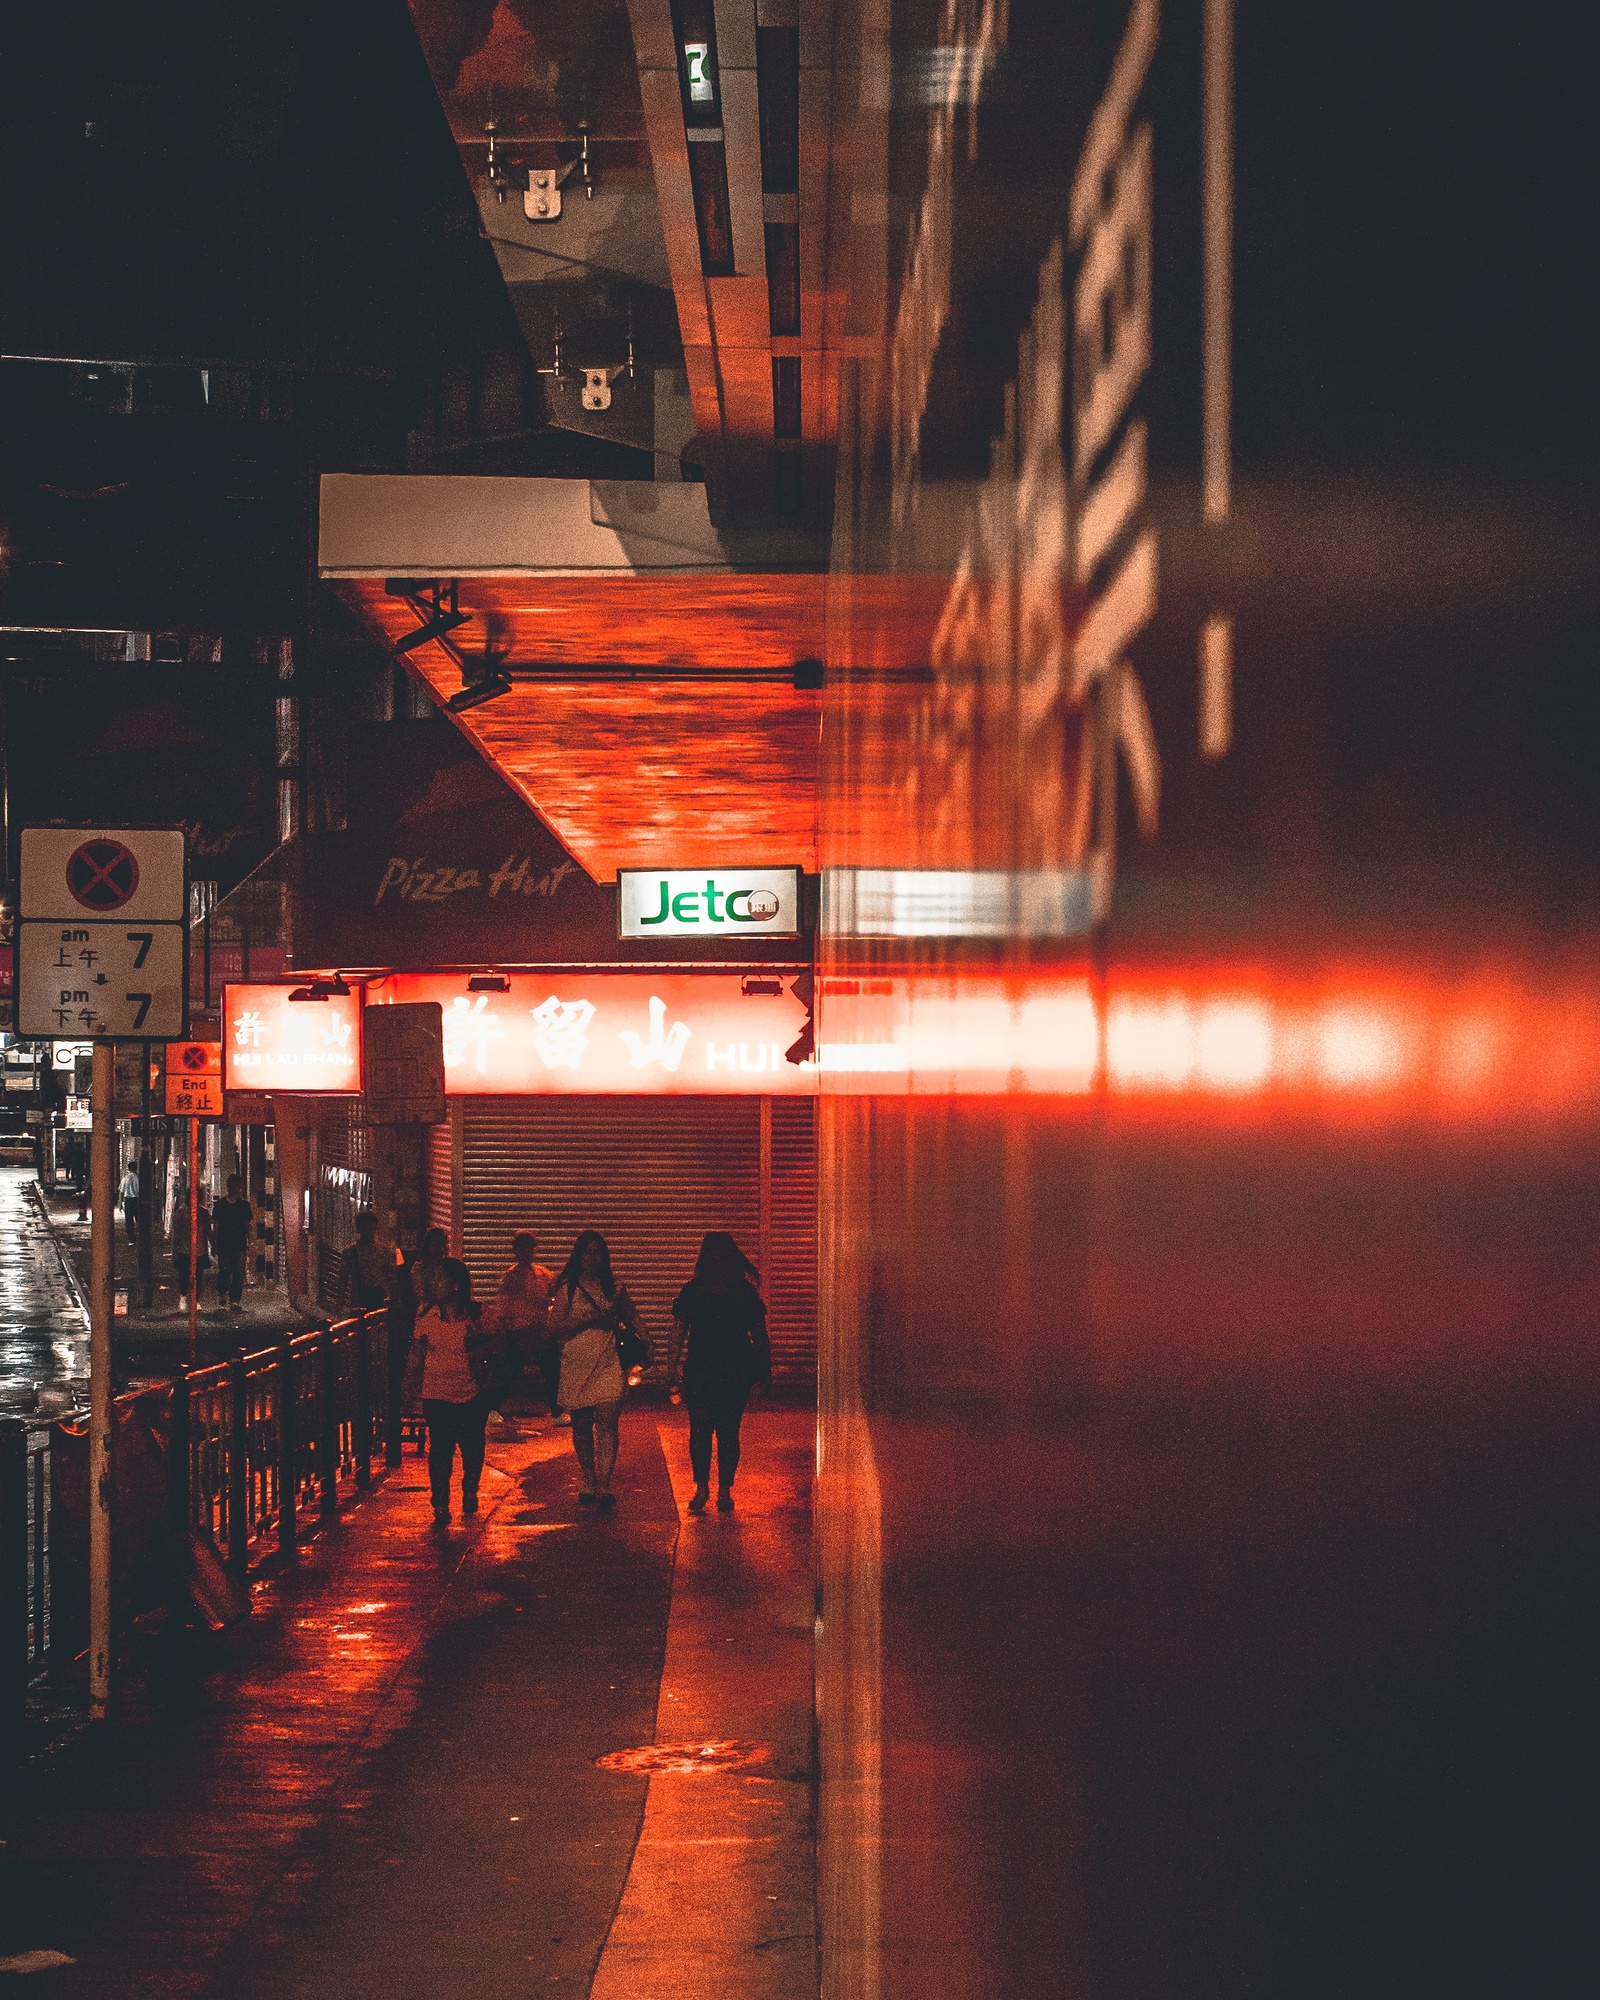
732 1755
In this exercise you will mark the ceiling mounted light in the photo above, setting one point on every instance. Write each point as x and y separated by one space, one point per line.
488 982
754 985
477 692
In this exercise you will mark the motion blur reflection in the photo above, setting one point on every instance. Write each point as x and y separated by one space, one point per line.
1208 1028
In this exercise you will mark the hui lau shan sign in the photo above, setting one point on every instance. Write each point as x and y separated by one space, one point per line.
733 902
617 1033
273 1043
555 1032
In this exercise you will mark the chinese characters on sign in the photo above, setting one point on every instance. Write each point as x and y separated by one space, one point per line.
102 935
194 1080
620 1032
270 1042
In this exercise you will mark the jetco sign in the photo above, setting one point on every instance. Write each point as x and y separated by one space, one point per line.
731 902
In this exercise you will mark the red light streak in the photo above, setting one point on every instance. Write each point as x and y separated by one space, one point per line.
1358 1043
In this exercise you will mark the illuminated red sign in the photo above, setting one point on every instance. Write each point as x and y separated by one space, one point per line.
270 1042
635 1033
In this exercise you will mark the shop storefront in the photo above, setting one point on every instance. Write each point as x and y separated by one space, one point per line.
651 1104
652 1174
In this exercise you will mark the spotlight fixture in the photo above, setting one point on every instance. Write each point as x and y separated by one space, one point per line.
439 626
803 1048
752 986
488 982
323 989
477 692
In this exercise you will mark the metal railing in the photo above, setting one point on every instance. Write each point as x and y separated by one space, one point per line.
255 1449
266 1439
25 1544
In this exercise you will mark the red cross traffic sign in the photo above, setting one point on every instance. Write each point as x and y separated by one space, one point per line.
102 875
101 932
124 874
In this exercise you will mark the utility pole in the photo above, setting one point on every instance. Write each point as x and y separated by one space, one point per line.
115 898
194 1242
147 1280
102 1239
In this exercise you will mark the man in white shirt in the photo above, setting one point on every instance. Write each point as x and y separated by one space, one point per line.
128 1195
522 1315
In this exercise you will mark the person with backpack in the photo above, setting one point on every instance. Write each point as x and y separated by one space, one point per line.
230 1236
720 1314
180 1241
589 1313
366 1269
453 1352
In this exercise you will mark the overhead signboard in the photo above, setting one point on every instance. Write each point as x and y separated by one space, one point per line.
194 1080
708 902
405 1064
131 1080
617 1033
102 934
272 1042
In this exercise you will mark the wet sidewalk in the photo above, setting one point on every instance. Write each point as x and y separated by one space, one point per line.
421 1768
44 1336
151 1341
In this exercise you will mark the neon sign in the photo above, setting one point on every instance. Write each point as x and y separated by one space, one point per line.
270 1042
612 1033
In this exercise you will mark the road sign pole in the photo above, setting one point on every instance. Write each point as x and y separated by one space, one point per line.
147 1174
102 1143
194 1242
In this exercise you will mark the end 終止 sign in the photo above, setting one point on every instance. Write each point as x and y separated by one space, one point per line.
194 1080
708 902
271 1041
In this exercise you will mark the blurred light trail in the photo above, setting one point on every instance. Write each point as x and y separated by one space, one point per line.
1459 1049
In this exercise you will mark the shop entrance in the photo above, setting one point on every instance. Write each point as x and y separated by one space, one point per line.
653 1174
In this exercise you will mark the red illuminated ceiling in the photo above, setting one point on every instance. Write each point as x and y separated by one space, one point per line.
642 773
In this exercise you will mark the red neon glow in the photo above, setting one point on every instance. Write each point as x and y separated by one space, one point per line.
1150 1043
1233 1044
310 1047
612 1033
1364 1043
1358 1047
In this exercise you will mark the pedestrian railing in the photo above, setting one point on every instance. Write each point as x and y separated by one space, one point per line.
25 1621
266 1440
255 1450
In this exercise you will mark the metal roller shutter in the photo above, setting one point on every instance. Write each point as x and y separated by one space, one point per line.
791 1283
342 1186
653 1175
440 1203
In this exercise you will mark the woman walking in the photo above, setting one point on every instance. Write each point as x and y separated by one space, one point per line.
587 1309
455 1403
721 1313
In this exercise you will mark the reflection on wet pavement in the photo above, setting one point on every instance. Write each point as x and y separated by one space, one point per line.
383 1782
732 1755
44 1338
